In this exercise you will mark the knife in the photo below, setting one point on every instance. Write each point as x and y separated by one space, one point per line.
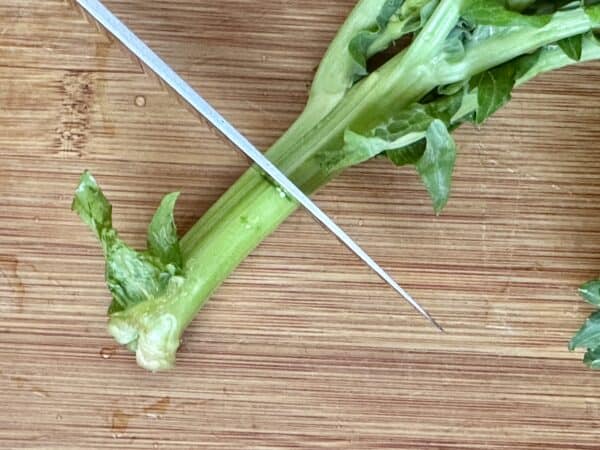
111 24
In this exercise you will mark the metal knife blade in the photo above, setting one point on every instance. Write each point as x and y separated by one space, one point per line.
111 24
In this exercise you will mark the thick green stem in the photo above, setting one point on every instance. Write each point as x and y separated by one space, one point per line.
244 224
248 212
254 207
240 220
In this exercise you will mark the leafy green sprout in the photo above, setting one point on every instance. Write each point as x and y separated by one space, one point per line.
460 64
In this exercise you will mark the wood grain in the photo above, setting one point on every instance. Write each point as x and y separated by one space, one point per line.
302 347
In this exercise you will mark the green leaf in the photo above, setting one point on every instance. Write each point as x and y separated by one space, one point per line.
445 108
537 7
451 89
402 137
590 291
467 110
162 233
451 110
552 57
593 12
430 147
409 154
572 46
361 43
359 148
519 5
131 276
496 13
92 206
404 128
395 19
416 135
588 335
592 358
455 44
437 164
454 48
494 89
525 63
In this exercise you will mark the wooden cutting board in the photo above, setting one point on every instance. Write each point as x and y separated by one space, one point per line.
302 347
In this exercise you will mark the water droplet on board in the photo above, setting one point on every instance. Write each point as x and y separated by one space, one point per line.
140 101
108 352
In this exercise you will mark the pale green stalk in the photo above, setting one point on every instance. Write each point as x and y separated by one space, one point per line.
254 207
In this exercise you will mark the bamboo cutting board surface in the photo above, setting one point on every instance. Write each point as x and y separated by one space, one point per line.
302 347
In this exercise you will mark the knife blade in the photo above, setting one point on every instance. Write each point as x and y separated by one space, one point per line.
148 58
